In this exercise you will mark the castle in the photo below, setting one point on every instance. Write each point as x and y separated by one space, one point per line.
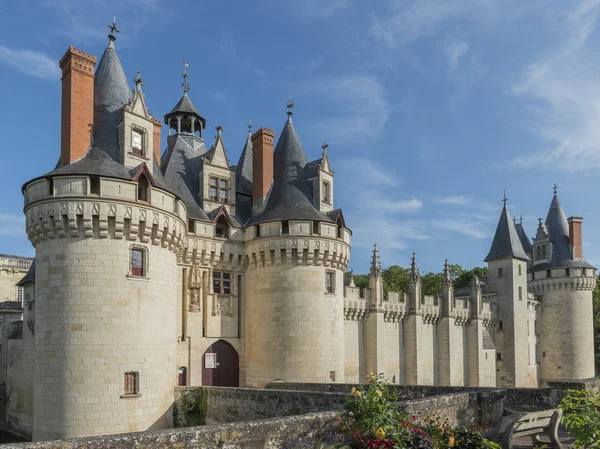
154 270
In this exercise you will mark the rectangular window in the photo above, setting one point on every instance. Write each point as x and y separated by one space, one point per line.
325 192
498 356
568 272
548 273
137 262
191 226
222 282
223 191
500 272
131 383
214 189
20 294
520 270
137 142
257 227
500 325
218 190
330 282
94 185
520 292
285 227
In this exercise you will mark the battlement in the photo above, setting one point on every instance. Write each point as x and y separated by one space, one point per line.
355 309
100 219
563 283
76 51
210 253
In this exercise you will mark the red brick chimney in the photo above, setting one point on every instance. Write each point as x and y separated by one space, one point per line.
262 166
156 139
77 111
575 240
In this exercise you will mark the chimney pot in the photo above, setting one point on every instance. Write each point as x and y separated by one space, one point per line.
262 167
575 238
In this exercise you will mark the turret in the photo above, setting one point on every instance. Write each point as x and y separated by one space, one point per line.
563 281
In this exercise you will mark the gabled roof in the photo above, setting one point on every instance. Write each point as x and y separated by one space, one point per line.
111 92
525 242
217 155
243 170
29 277
221 211
291 195
336 215
180 167
506 243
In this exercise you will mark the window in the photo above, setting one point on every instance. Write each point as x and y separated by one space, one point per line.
498 356
191 227
218 190
520 293
142 188
315 228
222 228
137 262
325 192
500 273
285 227
94 185
131 383
137 142
20 294
222 282
182 376
568 272
257 227
330 282
520 270
500 325
548 273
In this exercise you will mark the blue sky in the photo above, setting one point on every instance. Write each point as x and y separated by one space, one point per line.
430 108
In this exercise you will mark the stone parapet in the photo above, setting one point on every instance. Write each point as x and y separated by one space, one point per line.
216 253
82 217
355 310
563 283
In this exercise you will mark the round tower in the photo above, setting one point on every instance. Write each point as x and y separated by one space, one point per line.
106 240
294 319
563 281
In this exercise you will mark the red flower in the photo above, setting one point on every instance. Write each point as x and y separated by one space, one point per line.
414 417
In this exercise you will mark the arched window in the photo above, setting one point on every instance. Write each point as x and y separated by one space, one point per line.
142 188
182 376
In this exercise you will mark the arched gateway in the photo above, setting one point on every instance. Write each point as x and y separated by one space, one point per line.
220 366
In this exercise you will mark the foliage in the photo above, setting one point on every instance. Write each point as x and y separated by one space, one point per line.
192 408
464 279
431 283
581 417
395 279
360 280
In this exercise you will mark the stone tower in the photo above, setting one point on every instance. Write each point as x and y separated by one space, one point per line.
507 266
294 322
106 232
564 281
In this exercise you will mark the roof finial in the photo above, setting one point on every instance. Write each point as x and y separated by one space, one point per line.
520 219
555 188
185 75
138 80
325 146
113 29
505 199
375 262
290 105
219 128
249 126
515 220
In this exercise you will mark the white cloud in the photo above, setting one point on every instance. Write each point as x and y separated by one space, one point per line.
564 92
467 227
455 50
386 205
32 63
363 108
456 200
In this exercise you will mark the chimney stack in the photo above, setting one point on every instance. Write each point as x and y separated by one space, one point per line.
156 142
262 167
575 240
77 110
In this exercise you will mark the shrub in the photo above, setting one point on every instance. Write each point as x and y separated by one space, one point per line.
581 417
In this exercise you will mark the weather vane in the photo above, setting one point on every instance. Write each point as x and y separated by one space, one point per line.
290 105
185 85
113 29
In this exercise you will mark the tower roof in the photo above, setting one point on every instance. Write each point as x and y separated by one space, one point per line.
111 92
525 242
506 243
291 196
184 106
243 170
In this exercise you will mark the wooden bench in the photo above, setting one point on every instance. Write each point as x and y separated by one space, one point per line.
532 424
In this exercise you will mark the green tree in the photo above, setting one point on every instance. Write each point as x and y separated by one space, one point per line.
361 280
396 278
455 271
431 283
465 277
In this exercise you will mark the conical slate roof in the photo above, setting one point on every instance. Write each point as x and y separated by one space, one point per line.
184 106
291 196
111 92
525 242
243 170
506 243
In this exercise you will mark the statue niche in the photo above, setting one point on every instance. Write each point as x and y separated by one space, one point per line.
195 289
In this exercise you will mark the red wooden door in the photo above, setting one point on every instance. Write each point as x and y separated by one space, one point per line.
220 366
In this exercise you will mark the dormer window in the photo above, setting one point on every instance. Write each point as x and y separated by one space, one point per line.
142 190
218 190
137 142
222 228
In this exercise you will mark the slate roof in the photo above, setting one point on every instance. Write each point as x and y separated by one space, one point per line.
29 277
312 168
11 305
180 165
558 230
291 195
111 92
185 106
243 170
506 243
525 242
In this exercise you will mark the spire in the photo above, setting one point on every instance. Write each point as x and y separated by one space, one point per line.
243 169
525 242
447 279
506 243
414 270
558 230
375 262
111 92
